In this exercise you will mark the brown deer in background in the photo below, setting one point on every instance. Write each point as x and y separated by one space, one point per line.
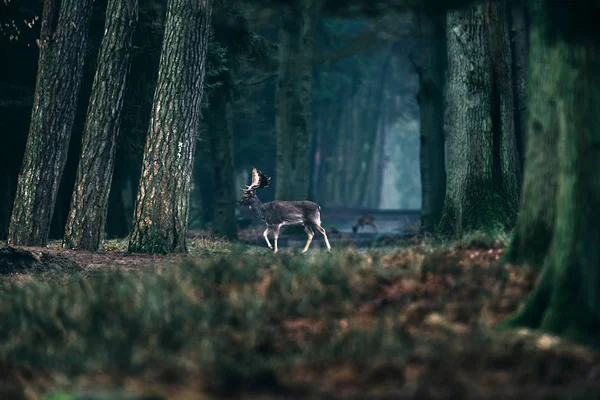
279 213
366 219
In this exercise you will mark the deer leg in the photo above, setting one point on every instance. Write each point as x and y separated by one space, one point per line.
310 234
374 227
322 232
276 235
266 236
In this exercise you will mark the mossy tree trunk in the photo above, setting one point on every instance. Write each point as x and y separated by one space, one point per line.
294 99
482 181
162 204
565 69
221 155
62 45
430 69
535 224
86 221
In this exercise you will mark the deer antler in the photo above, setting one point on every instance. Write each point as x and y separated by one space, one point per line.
259 181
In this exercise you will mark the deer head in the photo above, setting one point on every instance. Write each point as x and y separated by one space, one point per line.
259 181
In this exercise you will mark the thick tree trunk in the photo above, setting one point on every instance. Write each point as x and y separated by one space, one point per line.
294 100
565 69
535 223
60 68
89 205
520 52
431 104
220 143
162 204
482 180
508 166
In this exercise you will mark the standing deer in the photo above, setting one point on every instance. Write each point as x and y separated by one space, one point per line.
279 213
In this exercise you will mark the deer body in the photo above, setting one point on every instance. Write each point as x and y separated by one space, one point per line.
276 214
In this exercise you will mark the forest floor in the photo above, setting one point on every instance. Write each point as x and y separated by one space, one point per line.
410 320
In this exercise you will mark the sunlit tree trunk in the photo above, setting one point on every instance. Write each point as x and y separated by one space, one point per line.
162 203
294 99
60 68
220 146
565 71
431 105
87 216
482 178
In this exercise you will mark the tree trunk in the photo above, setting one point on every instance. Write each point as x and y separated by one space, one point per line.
565 69
294 100
162 204
535 223
220 142
482 185
520 51
508 166
431 105
60 68
87 216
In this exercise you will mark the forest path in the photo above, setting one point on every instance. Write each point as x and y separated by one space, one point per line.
392 226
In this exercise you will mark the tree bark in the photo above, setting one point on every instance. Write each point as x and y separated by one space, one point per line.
162 204
565 69
86 221
535 224
60 68
520 51
482 183
294 100
220 142
431 103
503 116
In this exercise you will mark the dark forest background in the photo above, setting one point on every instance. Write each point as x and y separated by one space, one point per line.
364 146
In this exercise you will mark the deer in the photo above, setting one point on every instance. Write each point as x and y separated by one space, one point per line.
366 219
279 213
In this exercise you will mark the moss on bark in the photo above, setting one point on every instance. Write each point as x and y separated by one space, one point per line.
566 300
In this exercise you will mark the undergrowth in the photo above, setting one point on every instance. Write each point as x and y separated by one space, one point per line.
409 322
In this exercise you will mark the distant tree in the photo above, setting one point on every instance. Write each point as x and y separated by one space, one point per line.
520 51
87 216
62 46
221 159
430 67
162 203
233 40
294 98
564 99
482 190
